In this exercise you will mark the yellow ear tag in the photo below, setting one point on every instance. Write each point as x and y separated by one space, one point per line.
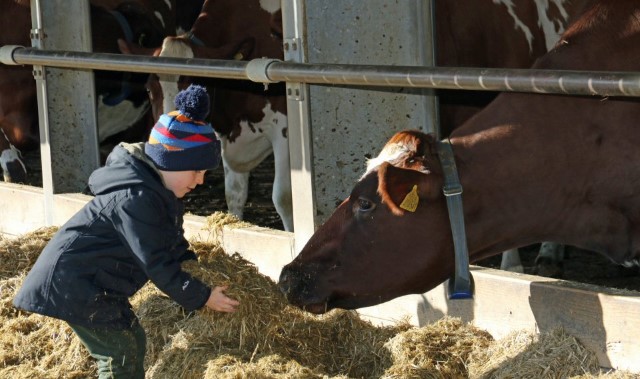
410 202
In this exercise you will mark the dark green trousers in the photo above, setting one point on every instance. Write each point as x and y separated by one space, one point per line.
120 353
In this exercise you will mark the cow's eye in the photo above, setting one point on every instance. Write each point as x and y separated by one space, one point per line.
363 205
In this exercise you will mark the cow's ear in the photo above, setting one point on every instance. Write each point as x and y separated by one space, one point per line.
402 190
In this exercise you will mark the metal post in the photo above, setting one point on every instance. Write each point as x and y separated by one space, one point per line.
39 73
66 99
299 126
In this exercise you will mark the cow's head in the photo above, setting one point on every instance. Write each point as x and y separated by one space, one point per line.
371 249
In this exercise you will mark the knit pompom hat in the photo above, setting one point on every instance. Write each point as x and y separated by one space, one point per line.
182 140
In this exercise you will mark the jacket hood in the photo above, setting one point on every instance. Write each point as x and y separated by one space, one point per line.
127 165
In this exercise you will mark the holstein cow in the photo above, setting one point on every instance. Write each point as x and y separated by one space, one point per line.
509 34
533 167
249 119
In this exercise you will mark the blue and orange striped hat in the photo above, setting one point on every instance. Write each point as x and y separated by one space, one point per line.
182 140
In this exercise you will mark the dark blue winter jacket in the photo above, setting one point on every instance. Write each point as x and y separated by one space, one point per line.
129 233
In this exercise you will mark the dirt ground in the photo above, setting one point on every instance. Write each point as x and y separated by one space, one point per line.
581 266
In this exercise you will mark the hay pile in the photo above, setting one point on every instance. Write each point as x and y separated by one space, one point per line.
33 346
266 338
265 329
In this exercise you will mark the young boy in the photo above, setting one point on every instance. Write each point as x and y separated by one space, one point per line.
129 233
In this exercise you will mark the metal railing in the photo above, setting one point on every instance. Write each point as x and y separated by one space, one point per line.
566 82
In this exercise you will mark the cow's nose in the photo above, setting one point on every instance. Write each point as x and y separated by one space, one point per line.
284 282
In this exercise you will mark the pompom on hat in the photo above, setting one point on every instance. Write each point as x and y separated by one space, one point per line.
182 140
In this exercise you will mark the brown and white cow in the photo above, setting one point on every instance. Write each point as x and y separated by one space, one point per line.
533 167
249 119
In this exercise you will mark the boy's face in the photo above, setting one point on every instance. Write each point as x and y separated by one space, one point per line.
182 182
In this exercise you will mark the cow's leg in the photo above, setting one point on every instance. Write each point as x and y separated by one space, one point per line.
549 260
511 261
250 147
236 189
238 158
281 194
13 168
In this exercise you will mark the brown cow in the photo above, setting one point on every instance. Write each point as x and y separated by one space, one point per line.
533 167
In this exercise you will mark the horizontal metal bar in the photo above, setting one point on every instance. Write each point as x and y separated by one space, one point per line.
566 82
218 68
569 82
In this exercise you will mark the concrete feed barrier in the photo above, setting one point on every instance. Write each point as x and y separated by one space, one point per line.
604 320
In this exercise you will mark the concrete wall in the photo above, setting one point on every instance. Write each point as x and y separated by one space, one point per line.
349 124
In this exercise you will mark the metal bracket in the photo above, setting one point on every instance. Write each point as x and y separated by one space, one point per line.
293 53
37 36
38 72
292 50
294 91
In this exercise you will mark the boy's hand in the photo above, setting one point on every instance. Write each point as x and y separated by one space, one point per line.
220 302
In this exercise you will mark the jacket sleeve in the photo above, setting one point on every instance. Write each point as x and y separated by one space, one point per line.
182 247
145 227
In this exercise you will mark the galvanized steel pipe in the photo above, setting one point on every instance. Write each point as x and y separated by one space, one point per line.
568 82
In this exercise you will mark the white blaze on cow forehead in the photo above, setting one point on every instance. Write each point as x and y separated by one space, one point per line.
271 6
389 153
552 29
